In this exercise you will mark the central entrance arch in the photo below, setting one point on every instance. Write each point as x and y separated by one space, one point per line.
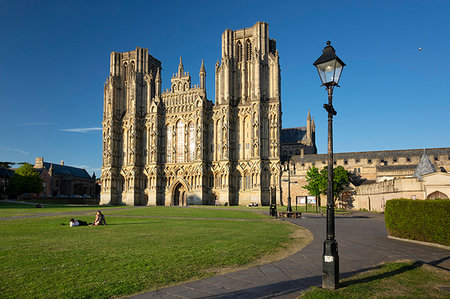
179 195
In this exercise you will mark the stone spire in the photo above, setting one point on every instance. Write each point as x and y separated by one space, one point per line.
313 125
308 127
203 75
158 82
425 167
180 69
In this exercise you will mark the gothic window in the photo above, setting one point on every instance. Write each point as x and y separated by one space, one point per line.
249 50
180 141
239 51
191 141
247 138
125 70
169 143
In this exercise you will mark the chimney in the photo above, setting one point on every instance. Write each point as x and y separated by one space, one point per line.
62 162
39 162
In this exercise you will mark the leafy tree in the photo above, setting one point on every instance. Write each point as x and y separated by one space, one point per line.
6 164
317 183
26 179
340 180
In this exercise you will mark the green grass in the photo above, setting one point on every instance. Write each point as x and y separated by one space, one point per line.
390 280
18 209
190 212
39 258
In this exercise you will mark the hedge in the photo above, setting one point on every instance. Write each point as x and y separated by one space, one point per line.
422 220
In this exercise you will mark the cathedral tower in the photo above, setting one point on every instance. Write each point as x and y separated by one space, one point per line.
129 95
247 117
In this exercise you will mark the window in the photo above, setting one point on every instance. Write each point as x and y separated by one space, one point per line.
239 51
169 143
180 141
191 142
436 158
408 159
249 50
369 161
334 162
345 162
357 160
395 160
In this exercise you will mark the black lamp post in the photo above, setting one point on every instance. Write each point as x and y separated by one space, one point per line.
286 168
330 68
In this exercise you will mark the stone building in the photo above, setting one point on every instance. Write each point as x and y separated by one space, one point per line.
378 176
299 141
59 179
177 147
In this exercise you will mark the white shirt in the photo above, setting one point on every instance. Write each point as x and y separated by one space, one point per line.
73 224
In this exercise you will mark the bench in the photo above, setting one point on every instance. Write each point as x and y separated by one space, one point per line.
285 214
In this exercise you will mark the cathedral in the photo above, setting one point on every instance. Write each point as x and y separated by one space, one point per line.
176 147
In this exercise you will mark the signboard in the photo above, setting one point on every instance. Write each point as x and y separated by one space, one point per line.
303 199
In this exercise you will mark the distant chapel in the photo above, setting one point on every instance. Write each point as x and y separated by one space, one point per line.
179 148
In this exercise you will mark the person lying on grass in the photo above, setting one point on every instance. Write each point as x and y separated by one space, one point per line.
99 219
74 223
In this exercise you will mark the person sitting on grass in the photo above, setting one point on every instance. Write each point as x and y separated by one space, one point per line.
74 223
99 219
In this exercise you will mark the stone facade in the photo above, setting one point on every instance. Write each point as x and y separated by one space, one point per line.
177 147
373 173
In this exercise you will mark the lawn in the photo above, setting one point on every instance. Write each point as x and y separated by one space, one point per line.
40 258
17 209
391 280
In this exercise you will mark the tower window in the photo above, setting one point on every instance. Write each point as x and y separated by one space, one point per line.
249 50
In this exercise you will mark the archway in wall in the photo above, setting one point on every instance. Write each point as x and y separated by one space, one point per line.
179 195
437 195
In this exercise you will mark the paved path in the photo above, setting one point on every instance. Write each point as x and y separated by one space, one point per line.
362 245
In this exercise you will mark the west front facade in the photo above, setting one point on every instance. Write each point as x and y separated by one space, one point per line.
176 147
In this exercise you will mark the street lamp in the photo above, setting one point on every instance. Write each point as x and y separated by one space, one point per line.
287 168
330 68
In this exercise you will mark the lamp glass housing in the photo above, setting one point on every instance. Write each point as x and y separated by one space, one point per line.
330 71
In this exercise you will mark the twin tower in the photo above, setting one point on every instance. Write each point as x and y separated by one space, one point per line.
177 147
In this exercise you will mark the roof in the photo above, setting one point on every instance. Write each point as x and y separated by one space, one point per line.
6 173
425 167
64 170
375 154
293 135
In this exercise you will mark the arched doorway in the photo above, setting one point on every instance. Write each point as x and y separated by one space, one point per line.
179 195
437 195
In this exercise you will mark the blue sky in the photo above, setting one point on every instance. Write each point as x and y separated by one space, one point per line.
55 59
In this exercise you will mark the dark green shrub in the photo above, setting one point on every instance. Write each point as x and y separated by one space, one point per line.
422 220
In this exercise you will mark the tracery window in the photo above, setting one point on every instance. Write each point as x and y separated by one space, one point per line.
191 142
249 50
239 51
169 143
180 141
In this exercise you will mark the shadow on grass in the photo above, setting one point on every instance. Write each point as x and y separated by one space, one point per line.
379 276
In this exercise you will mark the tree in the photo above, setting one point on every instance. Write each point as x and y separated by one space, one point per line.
317 183
6 164
340 180
26 179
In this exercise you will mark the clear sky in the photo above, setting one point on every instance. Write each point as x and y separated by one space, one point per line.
55 59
